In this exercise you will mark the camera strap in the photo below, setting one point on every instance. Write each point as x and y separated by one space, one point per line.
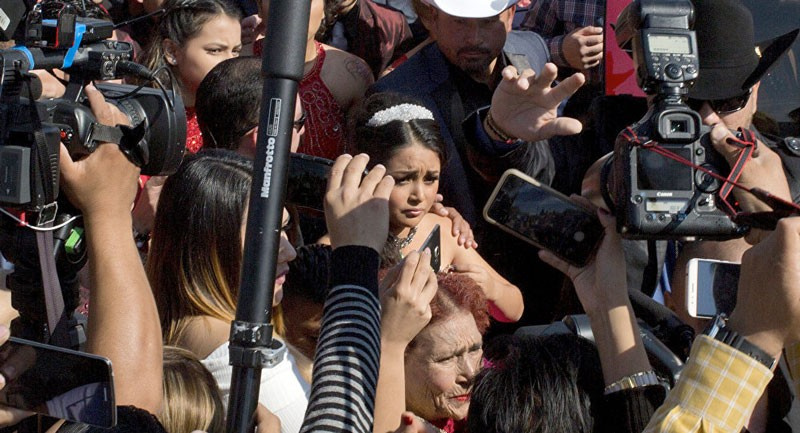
128 139
747 142
53 298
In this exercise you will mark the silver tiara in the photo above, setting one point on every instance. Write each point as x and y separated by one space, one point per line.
404 112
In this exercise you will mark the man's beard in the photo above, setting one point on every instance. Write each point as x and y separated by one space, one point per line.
477 67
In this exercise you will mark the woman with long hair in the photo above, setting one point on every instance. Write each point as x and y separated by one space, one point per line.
194 269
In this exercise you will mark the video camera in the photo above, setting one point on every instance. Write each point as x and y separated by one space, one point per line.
54 36
32 130
654 195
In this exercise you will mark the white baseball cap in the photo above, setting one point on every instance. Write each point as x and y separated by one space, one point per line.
472 8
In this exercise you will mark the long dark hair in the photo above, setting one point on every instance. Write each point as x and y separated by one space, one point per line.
196 250
382 142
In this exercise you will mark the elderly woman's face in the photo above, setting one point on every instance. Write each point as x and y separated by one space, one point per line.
441 367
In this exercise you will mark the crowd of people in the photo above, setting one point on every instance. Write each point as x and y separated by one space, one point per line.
420 106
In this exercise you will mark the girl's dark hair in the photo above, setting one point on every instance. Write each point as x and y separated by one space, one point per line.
546 384
382 142
196 250
183 20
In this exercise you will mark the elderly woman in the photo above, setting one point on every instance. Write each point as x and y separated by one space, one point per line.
431 345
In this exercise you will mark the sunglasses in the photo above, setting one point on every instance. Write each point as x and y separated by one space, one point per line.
722 106
299 123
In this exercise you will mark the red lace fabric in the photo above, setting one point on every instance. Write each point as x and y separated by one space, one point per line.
194 138
325 124
325 133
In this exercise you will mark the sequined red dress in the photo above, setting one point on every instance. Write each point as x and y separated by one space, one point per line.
325 134
325 125
194 138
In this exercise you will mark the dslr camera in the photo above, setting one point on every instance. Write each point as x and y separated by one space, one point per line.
653 195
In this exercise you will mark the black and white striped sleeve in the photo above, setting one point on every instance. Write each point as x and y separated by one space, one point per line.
348 353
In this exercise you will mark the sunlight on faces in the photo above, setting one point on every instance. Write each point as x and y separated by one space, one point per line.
286 254
472 44
415 170
441 366
220 39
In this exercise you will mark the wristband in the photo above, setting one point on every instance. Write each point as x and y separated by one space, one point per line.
636 380
497 131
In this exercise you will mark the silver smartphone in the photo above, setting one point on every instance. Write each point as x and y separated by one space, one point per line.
544 217
711 287
58 382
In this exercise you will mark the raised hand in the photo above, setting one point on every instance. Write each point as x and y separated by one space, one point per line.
524 105
406 293
356 209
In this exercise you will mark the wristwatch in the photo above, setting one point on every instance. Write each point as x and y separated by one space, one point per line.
718 330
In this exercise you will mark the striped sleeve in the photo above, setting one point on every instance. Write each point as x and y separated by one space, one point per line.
348 353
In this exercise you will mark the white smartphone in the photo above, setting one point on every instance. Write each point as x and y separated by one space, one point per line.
711 287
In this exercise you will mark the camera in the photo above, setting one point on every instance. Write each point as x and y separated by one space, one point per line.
31 131
651 182
54 36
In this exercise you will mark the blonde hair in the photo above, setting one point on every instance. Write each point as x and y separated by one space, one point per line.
192 400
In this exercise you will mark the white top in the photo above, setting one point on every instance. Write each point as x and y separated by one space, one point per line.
282 391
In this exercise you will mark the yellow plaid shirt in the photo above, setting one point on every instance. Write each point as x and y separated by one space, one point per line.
717 390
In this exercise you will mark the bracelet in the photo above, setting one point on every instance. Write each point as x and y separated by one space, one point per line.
496 129
636 380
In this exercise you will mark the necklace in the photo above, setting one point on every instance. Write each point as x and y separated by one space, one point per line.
401 243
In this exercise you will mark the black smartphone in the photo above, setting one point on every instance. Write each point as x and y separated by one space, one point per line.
434 242
58 382
308 181
711 287
543 217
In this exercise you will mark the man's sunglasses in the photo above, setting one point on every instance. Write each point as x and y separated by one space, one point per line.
722 106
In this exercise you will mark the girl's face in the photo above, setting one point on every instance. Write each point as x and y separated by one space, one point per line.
415 170
286 253
219 39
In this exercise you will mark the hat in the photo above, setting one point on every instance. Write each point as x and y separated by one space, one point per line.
472 8
729 64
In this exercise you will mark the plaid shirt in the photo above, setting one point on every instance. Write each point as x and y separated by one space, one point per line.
717 391
554 19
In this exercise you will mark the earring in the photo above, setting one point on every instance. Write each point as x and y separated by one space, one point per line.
172 61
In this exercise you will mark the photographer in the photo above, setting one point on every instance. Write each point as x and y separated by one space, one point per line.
124 324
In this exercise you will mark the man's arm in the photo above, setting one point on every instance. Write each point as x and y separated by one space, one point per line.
720 385
348 354
124 324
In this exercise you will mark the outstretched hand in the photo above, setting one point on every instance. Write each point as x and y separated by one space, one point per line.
356 209
524 105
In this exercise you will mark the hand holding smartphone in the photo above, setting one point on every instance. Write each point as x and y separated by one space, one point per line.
544 218
57 382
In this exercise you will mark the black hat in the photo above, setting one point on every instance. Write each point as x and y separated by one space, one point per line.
729 63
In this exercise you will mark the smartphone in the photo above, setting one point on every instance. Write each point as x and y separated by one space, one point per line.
543 217
711 287
308 181
434 242
58 382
